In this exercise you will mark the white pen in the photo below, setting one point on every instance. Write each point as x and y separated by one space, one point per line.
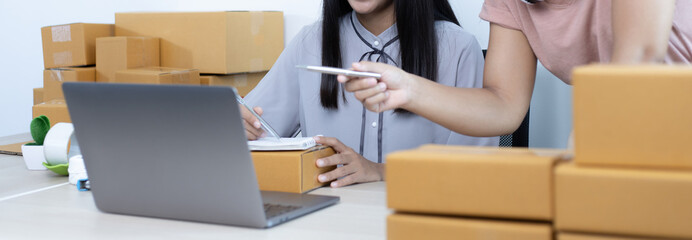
264 124
336 71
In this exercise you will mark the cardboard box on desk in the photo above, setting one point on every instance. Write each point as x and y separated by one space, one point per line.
243 82
575 236
72 44
633 116
631 202
158 75
38 95
290 171
55 110
54 78
213 42
408 226
473 181
119 53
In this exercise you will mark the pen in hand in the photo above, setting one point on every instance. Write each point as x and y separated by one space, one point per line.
265 126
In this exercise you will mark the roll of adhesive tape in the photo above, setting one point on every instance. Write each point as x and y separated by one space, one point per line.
56 143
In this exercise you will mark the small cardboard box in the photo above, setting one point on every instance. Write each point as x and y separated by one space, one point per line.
290 171
402 226
213 42
72 45
631 202
574 236
55 110
473 181
53 79
38 95
158 75
243 82
633 116
119 53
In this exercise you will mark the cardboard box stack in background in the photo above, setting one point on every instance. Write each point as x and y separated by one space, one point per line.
119 53
72 45
213 42
632 172
238 47
69 53
243 82
158 75
464 184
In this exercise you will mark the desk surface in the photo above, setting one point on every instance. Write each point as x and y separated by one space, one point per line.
40 204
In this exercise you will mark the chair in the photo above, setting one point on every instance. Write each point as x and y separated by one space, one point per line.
520 137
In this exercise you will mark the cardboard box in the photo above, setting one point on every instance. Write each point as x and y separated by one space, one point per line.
119 53
72 44
574 236
243 82
38 95
633 116
55 110
631 202
472 181
53 79
290 171
158 75
213 42
408 226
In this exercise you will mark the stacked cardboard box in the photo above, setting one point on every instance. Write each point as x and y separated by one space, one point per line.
443 191
158 75
243 82
69 53
119 53
632 172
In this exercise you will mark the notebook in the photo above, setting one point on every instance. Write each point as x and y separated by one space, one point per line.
269 144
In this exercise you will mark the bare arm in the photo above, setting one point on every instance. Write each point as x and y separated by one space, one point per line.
641 29
496 109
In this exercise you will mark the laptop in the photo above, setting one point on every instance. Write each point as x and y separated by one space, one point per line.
175 152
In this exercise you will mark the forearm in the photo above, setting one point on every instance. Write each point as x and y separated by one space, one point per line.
479 112
641 29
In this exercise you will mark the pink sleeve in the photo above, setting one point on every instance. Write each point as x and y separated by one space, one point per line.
498 12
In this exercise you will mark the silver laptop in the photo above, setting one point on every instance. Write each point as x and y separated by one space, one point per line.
176 152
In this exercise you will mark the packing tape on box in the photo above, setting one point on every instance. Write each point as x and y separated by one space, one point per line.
62 58
61 33
56 144
256 24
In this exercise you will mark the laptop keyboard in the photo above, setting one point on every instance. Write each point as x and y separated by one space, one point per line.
273 210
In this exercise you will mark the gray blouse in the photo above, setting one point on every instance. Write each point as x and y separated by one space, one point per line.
290 97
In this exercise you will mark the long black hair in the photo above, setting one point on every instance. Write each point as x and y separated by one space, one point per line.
417 40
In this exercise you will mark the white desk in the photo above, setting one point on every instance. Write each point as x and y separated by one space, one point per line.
34 205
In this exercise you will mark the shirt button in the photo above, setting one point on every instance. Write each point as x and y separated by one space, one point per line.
374 124
377 43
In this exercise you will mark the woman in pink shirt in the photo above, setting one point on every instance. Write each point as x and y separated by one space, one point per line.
561 34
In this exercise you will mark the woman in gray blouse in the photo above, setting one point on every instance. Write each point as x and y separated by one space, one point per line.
420 36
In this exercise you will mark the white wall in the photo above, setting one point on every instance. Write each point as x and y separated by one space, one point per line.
22 61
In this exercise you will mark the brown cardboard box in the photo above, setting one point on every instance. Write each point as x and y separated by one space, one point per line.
574 236
408 226
472 181
119 53
635 202
158 75
290 171
243 82
72 44
38 95
633 116
213 42
53 79
55 110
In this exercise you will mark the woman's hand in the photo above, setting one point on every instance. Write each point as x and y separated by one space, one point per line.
253 127
393 90
355 169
